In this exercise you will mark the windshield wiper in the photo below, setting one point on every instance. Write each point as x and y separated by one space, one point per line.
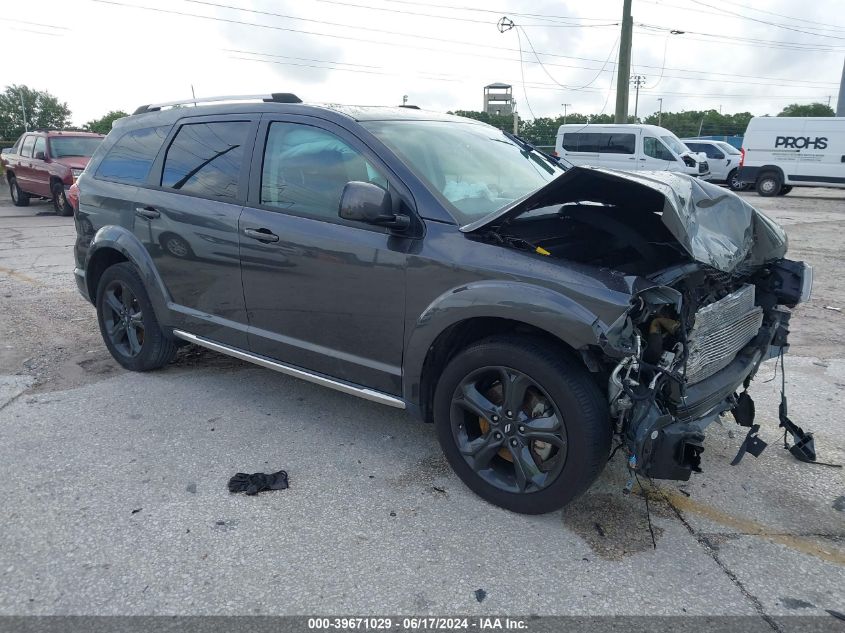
555 160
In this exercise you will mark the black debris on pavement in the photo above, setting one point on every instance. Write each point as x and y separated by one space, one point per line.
254 483
480 594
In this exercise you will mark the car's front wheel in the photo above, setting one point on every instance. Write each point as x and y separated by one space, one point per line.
521 423
19 197
127 321
60 202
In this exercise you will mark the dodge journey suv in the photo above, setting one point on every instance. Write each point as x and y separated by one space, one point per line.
436 264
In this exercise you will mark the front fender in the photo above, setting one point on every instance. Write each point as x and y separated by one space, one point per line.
117 238
541 307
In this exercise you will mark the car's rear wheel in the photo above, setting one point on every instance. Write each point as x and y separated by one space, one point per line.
785 190
769 184
521 423
735 183
60 202
19 197
128 323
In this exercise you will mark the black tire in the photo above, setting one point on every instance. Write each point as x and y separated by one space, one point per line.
785 190
19 197
128 323
769 184
60 203
734 184
566 393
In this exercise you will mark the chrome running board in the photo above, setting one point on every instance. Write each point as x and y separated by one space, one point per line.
296 372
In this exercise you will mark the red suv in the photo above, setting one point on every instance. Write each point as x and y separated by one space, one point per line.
46 163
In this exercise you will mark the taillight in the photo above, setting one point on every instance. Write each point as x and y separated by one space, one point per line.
73 196
742 156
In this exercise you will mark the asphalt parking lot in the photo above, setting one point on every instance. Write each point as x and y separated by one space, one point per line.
115 502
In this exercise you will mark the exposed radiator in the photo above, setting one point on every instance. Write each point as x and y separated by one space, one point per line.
721 329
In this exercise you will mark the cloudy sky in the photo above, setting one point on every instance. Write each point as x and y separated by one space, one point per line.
742 55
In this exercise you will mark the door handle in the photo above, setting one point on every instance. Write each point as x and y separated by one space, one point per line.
147 212
262 235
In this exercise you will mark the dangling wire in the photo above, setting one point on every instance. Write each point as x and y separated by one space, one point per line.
522 73
647 511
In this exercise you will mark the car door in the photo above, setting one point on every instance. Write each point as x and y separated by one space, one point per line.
321 293
187 218
23 163
39 171
656 156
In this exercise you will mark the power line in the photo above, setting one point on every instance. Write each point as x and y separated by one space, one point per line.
371 41
766 22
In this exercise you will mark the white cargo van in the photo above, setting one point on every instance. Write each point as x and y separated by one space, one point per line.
629 147
784 152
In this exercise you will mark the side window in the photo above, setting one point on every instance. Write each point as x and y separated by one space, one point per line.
654 148
26 148
599 142
714 152
695 147
206 159
305 169
17 146
40 145
130 158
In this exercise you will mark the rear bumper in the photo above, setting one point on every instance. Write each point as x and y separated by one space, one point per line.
748 175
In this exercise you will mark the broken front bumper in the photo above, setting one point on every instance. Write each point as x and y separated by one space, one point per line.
664 433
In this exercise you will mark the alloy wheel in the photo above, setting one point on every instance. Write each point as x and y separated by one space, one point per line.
508 429
123 319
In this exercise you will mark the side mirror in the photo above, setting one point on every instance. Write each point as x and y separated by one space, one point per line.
369 203
40 156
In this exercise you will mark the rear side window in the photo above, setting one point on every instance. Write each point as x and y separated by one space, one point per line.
26 148
130 158
599 142
205 159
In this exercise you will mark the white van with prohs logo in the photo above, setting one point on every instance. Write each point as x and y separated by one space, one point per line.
784 152
631 147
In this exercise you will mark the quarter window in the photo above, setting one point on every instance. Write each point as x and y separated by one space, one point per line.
130 158
654 148
305 170
206 158
26 148
599 142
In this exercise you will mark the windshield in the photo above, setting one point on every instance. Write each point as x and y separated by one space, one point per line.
675 145
61 147
728 148
474 168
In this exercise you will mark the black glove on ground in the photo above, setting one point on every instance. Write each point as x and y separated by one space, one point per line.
257 482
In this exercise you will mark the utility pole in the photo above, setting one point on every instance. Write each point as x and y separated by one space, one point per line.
565 105
840 105
404 99
637 80
623 70
660 112
515 119
23 111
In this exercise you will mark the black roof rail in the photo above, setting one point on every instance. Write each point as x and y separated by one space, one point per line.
274 97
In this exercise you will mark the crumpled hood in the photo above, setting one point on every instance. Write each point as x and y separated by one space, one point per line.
714 225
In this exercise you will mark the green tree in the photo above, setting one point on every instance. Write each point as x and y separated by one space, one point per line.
104 123
811 109
43 111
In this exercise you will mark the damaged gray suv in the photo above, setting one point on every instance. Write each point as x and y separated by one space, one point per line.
436 264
